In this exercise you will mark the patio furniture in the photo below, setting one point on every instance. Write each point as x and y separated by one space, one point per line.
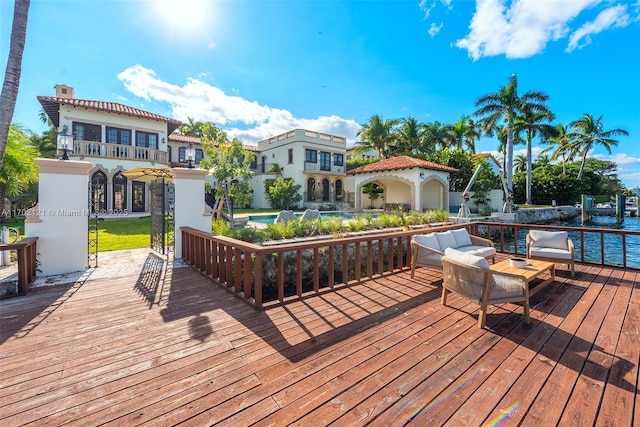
310 214
471 277
427 250
284 216
552 246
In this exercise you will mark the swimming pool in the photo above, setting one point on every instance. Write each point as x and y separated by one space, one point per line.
268 219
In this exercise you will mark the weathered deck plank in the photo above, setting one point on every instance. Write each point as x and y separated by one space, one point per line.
163 349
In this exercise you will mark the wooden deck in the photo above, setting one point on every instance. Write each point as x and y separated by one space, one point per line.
164 349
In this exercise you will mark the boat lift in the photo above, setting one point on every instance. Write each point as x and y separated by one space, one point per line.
464 211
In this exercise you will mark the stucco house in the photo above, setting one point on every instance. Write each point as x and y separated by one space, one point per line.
314 160
115 138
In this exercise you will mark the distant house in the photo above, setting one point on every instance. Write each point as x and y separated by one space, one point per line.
115 138
314 160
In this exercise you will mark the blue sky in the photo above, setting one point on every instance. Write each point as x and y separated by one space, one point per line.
260 68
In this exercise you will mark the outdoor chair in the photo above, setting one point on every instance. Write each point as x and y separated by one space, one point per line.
427 249
471 277
552 246
310 214
284 216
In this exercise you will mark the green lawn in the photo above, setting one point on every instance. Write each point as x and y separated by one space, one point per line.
118 234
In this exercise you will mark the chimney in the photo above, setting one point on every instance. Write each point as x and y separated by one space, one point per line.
64 91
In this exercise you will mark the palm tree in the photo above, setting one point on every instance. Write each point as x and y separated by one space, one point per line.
563 147
531 122
435 136
461 133
378 134
504 106
410 136
587 133
520 163
18 170
277 170
13 72
192 128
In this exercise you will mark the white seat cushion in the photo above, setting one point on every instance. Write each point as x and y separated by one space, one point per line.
483 251
550 253
549 239
462 237
466 258
446 240
428 240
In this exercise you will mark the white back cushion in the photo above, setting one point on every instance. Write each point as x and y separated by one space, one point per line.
446 240
428 240
467 259
549 239
462 237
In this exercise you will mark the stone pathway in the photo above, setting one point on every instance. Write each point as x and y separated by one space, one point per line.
112 264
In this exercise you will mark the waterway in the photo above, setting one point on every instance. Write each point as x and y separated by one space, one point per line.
594 242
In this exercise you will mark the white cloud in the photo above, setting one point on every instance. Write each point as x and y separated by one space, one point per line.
241 118
520 29
435 29
613 17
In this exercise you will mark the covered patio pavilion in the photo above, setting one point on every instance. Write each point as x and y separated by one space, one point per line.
407 183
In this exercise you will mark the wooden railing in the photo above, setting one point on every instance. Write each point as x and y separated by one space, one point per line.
598 246
115 151
26 250
273 274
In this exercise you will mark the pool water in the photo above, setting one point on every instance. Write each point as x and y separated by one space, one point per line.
268 219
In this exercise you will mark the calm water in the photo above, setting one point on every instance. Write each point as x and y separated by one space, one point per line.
592 245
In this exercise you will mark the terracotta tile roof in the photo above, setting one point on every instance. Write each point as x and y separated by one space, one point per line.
185 139
51 105
251 147
398 163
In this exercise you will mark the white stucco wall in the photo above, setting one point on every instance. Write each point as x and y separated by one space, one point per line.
60 219
190 208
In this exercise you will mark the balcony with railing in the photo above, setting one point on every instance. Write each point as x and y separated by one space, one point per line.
319 167
93 149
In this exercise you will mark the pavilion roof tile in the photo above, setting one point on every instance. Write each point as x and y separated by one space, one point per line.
399 163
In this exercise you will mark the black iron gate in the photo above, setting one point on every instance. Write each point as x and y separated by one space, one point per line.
93 219
162 224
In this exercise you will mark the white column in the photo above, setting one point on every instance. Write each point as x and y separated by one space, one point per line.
190 208
59 220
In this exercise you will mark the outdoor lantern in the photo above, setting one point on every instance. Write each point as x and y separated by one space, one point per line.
64 142
190 154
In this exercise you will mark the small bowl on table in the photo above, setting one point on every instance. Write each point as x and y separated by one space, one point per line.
518 262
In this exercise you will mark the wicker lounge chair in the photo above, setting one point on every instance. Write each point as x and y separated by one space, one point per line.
471 277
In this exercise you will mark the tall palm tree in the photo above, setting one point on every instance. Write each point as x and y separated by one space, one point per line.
562 147
589 132
504 106
378 134
13 71
532 123
410 136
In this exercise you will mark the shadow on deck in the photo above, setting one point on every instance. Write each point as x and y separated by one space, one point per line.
169 346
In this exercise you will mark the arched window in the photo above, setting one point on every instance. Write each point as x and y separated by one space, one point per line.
99 192
119 192
311 186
